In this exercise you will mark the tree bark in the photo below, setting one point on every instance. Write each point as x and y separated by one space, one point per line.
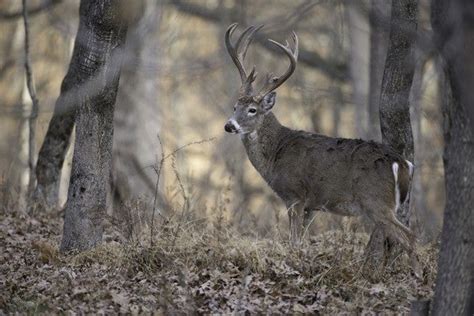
55 144
398 77
56 141
453 24
379 17
97 57
396 84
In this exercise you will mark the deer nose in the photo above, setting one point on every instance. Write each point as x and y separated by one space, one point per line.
229 127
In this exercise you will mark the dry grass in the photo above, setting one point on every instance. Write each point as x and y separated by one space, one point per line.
196 266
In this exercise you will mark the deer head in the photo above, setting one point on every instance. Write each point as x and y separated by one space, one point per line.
252 106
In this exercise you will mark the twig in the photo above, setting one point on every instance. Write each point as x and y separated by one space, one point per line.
189 144
157 183
185 200
158 171
34 100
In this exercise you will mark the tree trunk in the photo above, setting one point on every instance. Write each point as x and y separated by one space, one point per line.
453 24
34 103
56 141
17 176
424 219
396 84
379 34
359 65
22 156
97 58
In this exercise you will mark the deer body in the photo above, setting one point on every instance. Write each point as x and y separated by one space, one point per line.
312 172
322 173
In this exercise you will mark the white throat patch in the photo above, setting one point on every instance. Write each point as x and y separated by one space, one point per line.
253 135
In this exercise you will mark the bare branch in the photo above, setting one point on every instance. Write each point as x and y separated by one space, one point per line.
337 71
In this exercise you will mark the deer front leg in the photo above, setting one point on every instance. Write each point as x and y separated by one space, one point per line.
296 216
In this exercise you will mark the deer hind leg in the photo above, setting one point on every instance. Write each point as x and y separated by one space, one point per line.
401 234
296 216
385 221
407 240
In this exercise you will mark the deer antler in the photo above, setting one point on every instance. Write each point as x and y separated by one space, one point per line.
275 82
238 52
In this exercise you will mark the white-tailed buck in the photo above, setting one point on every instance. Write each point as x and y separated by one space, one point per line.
312 172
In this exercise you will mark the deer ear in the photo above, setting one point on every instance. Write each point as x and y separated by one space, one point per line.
268 101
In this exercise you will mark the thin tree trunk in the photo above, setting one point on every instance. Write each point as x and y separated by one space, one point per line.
53 150
357 51
336 109
379 33
453 25
97 56
23 152
359 65
17 177
425 221
65 173
56 142
34 102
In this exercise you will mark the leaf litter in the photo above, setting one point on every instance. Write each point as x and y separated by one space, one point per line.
199 271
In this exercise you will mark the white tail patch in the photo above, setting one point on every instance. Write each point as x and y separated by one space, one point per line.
411 168
397 188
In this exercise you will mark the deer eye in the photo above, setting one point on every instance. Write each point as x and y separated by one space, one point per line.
252 111
234 108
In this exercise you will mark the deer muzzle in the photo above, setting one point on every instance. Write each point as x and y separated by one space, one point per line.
232 126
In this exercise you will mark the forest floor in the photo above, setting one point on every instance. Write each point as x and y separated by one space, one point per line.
198 268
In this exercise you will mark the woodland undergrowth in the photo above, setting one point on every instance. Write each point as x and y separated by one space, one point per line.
198 266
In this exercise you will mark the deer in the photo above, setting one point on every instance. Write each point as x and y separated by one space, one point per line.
311 172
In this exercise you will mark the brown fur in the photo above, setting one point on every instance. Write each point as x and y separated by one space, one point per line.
312 172
323 171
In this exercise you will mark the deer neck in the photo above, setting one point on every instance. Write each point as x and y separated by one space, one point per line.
261 145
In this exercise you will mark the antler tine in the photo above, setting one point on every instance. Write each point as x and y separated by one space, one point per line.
293 56
248 41
231 50
295 40
234 51
243 37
